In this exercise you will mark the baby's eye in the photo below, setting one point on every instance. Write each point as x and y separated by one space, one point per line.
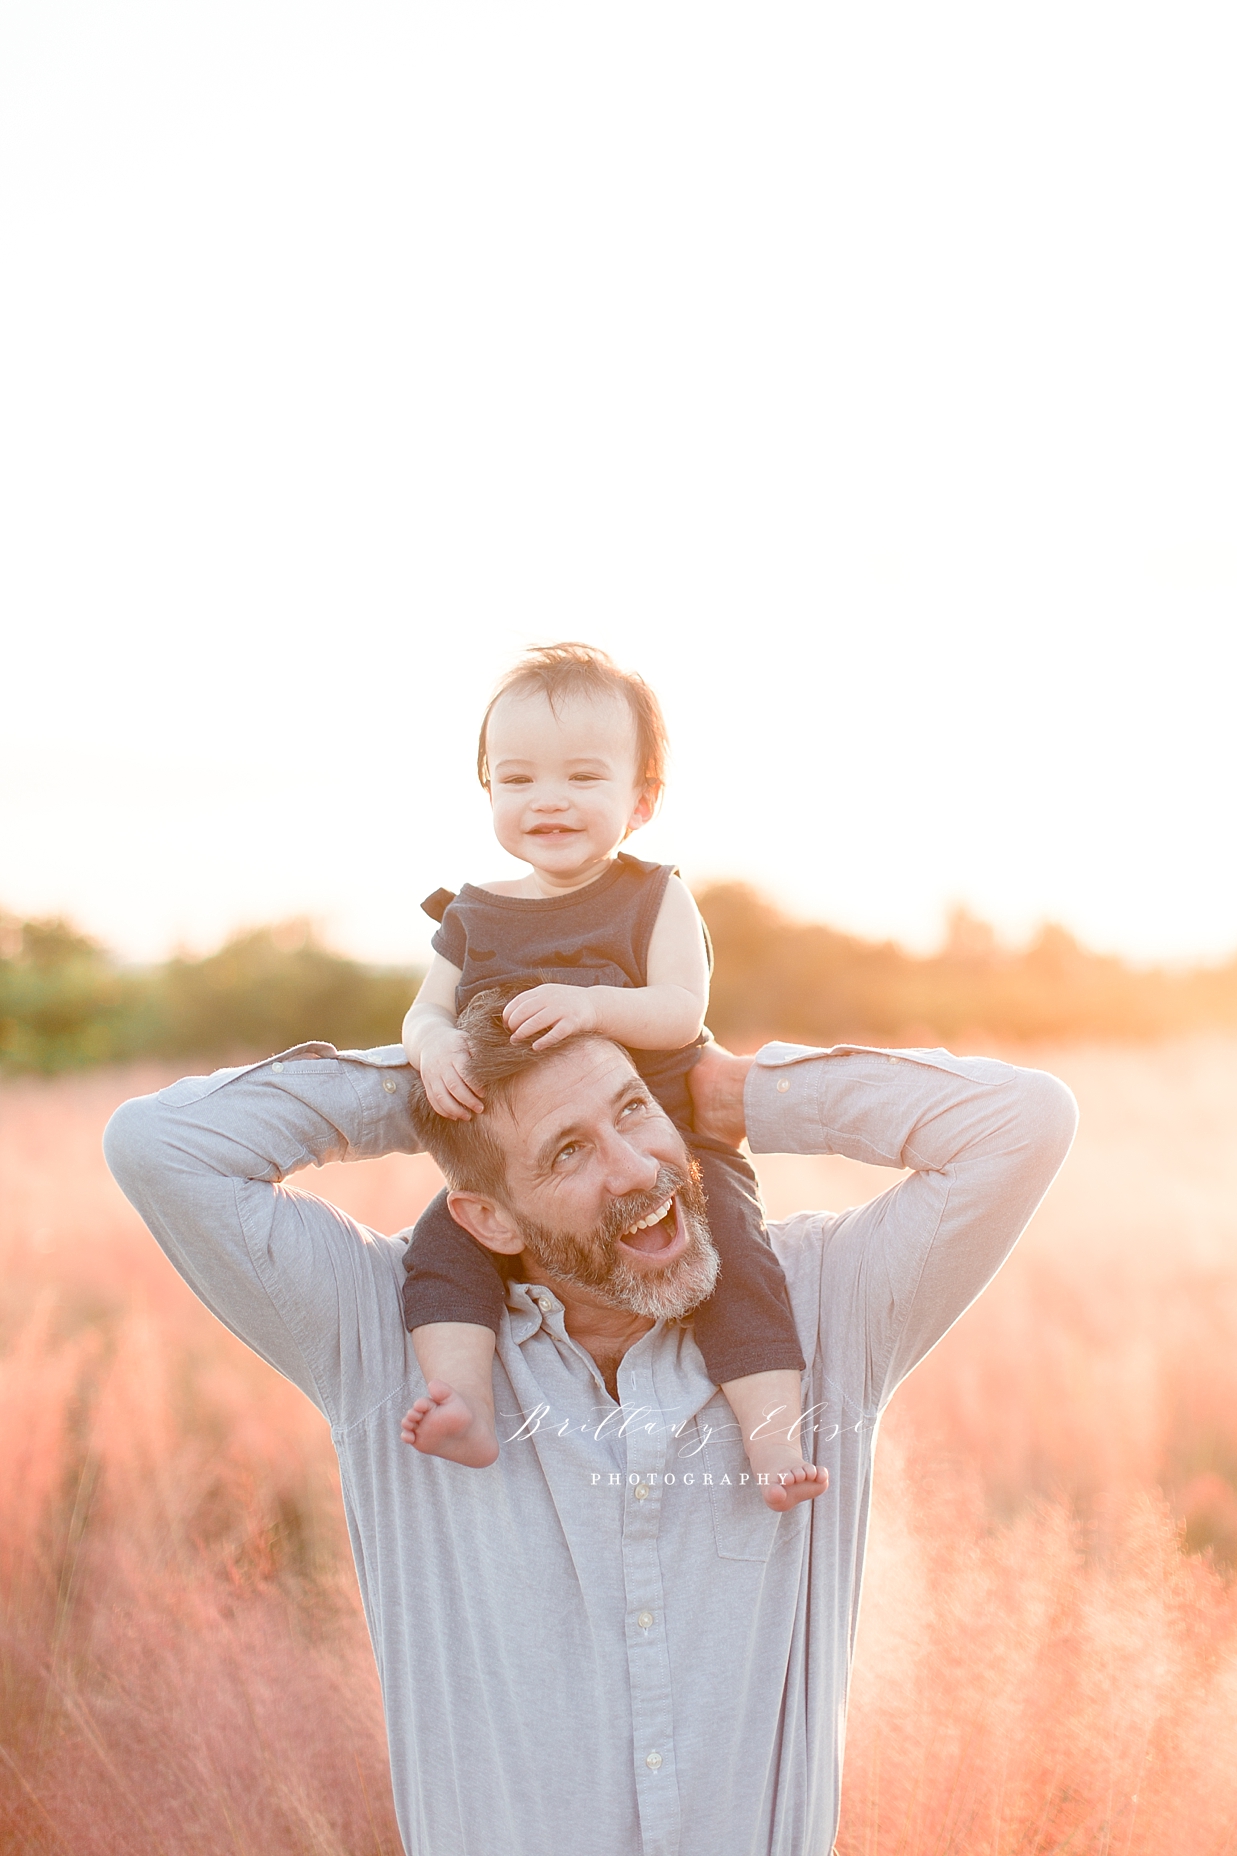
515 779
585 779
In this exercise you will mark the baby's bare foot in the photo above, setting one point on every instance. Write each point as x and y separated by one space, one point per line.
445 1424
789 1478
800 1484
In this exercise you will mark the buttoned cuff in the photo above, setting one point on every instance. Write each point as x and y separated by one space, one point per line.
781 1099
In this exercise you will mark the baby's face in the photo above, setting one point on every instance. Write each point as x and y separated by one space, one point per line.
563 783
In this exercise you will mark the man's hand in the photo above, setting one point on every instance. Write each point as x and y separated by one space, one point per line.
549 1014
716 1084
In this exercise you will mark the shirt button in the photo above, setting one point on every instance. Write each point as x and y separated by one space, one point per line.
782 1087
642 1489
891 1060
645 1620
389 1084
544 1304
653 1761
277 1066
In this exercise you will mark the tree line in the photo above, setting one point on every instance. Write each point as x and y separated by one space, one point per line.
66 1002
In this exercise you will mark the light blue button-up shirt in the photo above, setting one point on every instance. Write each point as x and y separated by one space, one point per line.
606 1643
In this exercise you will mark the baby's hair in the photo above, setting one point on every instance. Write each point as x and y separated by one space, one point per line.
559 670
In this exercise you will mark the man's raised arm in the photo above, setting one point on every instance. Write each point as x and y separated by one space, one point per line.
983 1141
299 1282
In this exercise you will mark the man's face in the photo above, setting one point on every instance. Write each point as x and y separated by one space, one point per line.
602 1186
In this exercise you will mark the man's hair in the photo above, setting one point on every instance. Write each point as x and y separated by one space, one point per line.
469 1154
563 670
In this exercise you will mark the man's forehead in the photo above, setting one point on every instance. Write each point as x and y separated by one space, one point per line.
562 1091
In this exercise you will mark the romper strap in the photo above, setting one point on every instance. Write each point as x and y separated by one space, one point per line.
436 906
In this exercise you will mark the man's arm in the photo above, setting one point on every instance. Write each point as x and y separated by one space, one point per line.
983 1140
297 1280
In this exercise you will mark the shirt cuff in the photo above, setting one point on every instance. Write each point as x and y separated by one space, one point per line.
781 1099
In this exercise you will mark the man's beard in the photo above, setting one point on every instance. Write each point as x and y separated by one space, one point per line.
593 1263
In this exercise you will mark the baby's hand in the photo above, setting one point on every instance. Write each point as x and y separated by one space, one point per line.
444 1073
549 1014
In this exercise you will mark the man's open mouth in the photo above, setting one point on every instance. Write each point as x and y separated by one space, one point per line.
660 1235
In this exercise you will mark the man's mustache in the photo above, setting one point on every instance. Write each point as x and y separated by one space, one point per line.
591 1260
621 1214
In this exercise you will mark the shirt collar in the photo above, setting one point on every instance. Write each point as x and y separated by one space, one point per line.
530 1306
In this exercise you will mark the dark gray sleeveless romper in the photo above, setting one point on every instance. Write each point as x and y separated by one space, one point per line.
599 936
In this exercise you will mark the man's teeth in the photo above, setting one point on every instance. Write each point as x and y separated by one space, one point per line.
653 1218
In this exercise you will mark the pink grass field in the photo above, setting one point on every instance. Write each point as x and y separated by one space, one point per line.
1048 1654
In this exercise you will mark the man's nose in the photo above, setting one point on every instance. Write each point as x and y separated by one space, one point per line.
627 1169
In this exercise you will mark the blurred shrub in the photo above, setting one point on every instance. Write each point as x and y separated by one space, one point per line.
271 988
802 981
65 1002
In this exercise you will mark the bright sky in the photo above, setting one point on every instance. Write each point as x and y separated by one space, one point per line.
865 376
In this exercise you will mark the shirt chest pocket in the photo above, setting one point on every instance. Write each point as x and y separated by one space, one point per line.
744 1526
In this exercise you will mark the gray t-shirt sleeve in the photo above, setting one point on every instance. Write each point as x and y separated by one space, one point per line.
312 1291
983 1141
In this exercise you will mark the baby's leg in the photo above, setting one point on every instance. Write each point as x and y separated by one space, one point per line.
769 1408
746 1333
453 1300
456 1417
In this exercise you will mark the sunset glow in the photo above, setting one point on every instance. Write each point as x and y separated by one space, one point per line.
865 380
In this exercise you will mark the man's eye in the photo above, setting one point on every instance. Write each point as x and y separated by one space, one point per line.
565 1153
637 1102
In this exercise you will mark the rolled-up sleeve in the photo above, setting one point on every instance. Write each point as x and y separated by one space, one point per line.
204 1163
983 1141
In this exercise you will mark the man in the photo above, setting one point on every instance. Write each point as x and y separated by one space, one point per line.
607 1642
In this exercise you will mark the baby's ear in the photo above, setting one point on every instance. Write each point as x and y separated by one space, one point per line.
486 1221
645 806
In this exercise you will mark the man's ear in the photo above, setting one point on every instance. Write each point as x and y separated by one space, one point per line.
486 1221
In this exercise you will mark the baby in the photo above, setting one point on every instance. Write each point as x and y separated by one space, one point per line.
572 754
